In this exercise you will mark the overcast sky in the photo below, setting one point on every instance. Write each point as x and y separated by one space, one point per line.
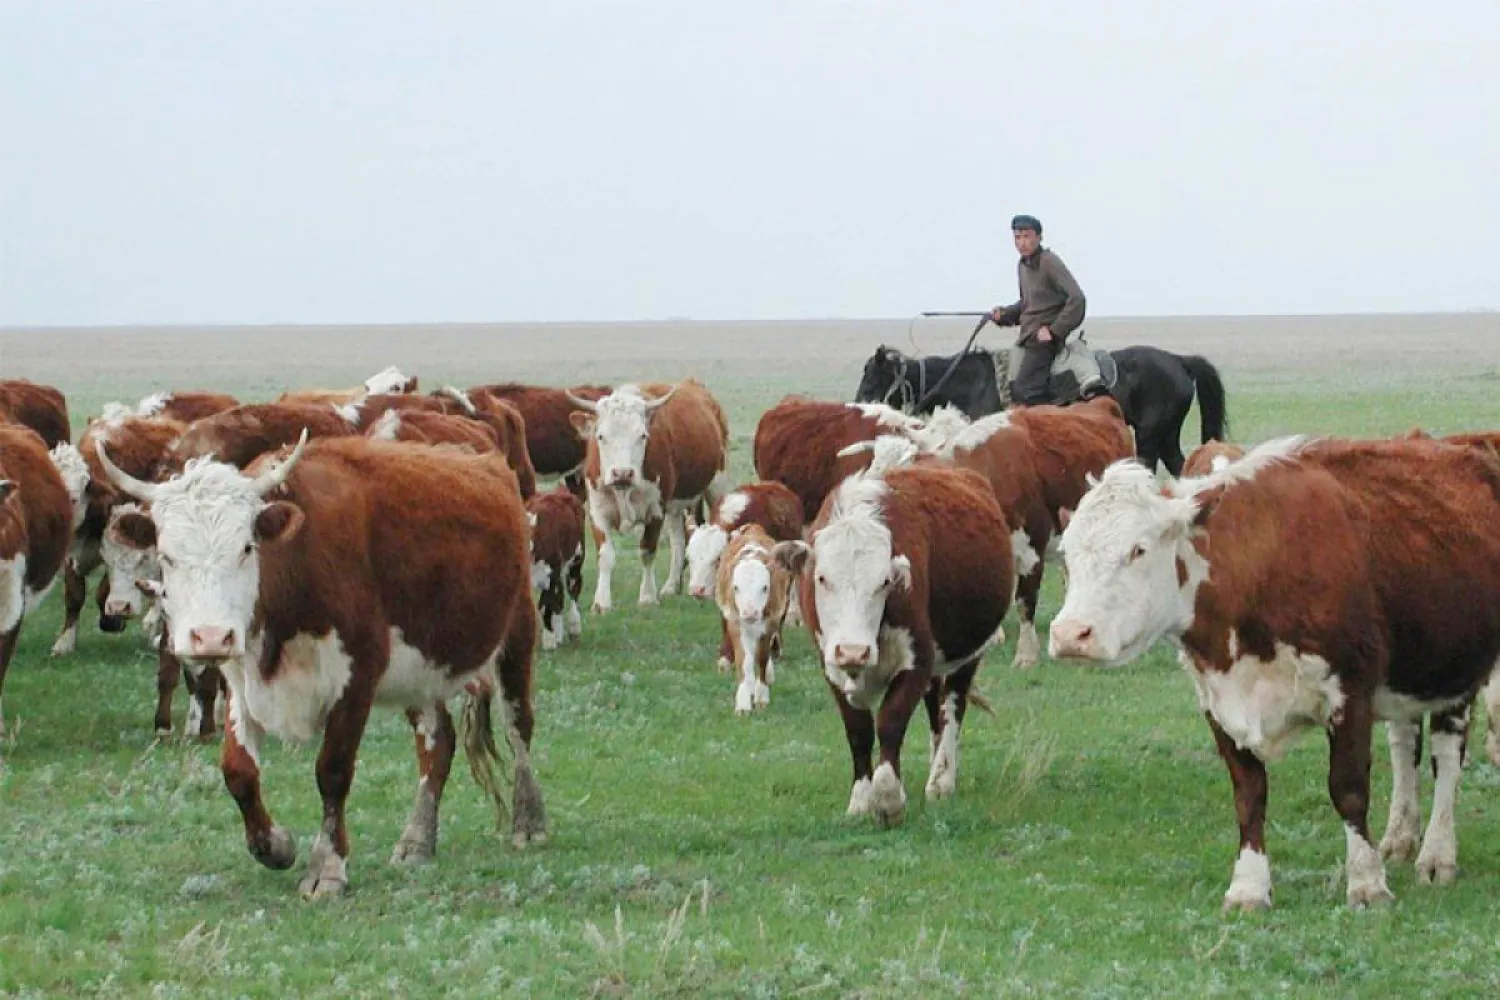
374 161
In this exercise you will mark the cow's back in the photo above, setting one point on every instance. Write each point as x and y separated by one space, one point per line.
429 541
772 505
42 408
509 428
797 443
1005 459
1072 443
137 445
43 497
558 533
242 434
552 442
187 405
690 432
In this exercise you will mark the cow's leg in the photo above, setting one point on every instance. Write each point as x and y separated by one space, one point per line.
7 650
1438 861
744 665
239 759
574 621
1250 888
765 663
1028 549
1349 788
328 858
942 778
727 645
1492 719
677 535
1404 822
887 796
603 600
168 673
650 538
559 601
203 692
550 604
528 812
75 592
859 731
436 742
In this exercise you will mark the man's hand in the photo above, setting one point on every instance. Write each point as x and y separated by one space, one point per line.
1044 334
997 314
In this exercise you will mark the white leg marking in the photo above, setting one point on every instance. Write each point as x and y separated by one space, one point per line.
326 874
942 779
194 722
859 797
648 595
887 797
67 641
573 621
602 600
1365 871
677 535
1250 888
1438 861
744 695
1028 647
1400 840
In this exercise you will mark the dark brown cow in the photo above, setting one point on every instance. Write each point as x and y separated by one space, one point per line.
554 444
1308 585
1211 456
36 520
40 407
654 452
241 435
353 572
186 405
773 507
557 562
797 443
905 579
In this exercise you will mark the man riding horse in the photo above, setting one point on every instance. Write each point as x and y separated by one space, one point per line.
1051 306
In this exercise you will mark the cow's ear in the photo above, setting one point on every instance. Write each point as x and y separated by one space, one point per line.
411 384
583 422
791 556
1204 506
901 572
279 522
133 530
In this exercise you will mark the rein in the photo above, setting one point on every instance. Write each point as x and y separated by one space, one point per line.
957 359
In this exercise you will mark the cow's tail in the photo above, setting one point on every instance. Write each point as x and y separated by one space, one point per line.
490 767
1210 397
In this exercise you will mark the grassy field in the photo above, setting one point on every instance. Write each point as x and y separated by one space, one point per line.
697 854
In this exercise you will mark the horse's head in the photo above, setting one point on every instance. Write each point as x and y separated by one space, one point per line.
882 375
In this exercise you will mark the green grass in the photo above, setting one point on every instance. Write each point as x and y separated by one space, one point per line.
697 854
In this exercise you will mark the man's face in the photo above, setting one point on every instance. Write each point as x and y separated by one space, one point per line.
1027 240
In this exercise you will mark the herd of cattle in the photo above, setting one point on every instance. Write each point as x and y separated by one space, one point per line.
333 550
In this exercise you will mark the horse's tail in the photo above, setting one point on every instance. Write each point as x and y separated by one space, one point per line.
1210 396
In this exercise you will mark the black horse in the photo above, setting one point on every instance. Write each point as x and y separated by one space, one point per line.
1154 389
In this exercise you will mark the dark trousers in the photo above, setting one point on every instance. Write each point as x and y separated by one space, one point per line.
1028 386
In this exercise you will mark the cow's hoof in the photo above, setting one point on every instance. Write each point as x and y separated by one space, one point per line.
1245 902
1364 896
1436 870
279 850
411 851
887 797
1398 845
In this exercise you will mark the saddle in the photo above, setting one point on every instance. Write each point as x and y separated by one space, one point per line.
1078 372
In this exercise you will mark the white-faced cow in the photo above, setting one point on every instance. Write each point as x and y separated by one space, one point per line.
35 524
752 589
654 451
348 574
390 380
904 583
557 562
1310 585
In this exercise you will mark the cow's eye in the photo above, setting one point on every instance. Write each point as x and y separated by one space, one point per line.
822 580
1137 552
249 548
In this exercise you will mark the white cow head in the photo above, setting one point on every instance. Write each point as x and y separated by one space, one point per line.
207 525
129 555
75 476
621 425
705 548
390 380
854 572
751 582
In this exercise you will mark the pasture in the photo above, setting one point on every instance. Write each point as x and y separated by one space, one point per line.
693 853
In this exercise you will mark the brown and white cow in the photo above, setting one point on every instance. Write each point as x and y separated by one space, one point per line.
1310 585
797 443
555 445
390 380
36 519
242 434
772 506
654 451
556 518
905 580
40 407
421 427
348 574
752 590
186 405
1210 456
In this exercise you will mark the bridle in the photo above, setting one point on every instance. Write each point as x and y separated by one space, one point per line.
901 386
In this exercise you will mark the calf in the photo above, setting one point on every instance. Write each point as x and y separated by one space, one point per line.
751 589
654 451
185 405
1308 585
1211 456
557 562
905 580
350 573
35 522
40 407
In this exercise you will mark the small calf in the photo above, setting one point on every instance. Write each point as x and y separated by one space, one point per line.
752 591
556 519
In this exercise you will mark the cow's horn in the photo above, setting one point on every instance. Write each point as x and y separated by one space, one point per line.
276 474
582 404
125 481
